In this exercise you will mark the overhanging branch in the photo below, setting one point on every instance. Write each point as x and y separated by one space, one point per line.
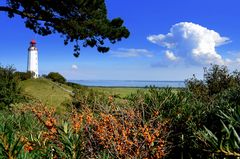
26 15
18 12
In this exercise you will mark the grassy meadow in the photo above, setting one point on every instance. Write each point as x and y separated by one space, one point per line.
118 91
46 92
51 94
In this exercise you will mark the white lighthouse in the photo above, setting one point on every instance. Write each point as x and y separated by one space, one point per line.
33 58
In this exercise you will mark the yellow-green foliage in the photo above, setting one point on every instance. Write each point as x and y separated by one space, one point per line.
47 92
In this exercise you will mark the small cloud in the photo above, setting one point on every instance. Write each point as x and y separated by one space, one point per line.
170 55
74 67
192 43
130 53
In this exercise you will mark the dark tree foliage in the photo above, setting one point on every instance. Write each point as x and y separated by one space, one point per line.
56 77
82 21
9 87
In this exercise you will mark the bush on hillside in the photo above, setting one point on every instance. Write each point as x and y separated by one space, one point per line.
24 75
10 91
87 98
56 77
75 85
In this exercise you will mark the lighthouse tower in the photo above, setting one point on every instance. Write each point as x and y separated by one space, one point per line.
33 58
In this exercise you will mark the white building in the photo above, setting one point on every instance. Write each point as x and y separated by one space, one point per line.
33 58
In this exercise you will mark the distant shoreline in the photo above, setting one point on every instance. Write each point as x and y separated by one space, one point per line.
132 87
129 83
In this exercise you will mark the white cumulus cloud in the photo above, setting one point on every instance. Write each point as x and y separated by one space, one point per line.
191 43
132 52
74 67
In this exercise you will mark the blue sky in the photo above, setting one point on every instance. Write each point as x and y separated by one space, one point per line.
170 40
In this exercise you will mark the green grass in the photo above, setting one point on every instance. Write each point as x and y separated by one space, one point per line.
66 87
124 91
46 92
121 91
52 95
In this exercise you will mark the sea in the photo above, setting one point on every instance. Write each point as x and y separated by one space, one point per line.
129 83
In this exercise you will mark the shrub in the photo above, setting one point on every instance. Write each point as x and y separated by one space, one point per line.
85 135
216 79
24 75
56 77
87 98
188 111
202 101
125 136
181 111
10 91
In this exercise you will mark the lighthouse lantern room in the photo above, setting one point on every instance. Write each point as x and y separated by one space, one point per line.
33 59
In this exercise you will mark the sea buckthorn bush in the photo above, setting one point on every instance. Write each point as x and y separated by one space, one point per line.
91 99
97 101
86 134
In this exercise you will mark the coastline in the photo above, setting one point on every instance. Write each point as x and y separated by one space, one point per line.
129 83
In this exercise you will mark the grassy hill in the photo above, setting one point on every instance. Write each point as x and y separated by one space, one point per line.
54 95
47 92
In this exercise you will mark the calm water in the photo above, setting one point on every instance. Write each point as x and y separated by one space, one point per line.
129 83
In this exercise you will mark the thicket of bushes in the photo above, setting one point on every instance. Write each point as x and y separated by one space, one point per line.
56 77
200 121
192 114
24 75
